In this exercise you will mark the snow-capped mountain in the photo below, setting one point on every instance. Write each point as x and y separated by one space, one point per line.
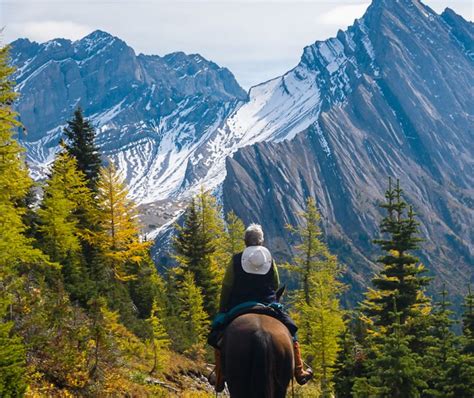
391 95
154 115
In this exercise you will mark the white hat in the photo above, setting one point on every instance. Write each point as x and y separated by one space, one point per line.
256 260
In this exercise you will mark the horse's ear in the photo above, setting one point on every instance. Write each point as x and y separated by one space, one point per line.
280 292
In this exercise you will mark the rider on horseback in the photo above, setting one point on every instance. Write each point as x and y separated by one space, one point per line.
252 276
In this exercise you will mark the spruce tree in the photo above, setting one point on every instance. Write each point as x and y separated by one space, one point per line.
316 303
394 371
401 276
461 368
468 322
194 248
441 349
80 144
349 364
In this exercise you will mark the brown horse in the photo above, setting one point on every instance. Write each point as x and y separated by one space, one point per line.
258 357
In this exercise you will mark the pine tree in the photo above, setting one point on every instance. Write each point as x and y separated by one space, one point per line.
235 235
194 249
394 371
193 318
401 275
317 302
80 144
119 238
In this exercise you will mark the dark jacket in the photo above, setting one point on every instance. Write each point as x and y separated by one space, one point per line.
240 286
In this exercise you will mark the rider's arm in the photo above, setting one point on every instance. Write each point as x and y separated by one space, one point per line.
226 287
276 277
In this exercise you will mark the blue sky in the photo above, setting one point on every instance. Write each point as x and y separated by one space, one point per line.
256 39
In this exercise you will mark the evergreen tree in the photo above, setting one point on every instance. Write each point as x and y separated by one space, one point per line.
441 349
401 276
317 302
468 322
349 364
394 371
146 288
194 248
80 144
235 235
461 368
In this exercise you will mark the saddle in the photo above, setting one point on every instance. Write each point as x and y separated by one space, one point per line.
222 320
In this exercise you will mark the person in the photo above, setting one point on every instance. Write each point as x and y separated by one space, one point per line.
252 276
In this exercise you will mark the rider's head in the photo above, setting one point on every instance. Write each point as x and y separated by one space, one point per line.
254 235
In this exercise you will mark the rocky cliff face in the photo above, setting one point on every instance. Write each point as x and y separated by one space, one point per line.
393 102
390 96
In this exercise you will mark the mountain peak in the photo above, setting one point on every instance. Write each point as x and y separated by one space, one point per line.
98 40
99 35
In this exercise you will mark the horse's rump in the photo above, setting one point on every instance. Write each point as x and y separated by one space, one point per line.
258 357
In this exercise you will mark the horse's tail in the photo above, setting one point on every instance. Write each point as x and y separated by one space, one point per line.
263 366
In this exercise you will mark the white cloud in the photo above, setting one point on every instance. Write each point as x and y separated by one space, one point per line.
256 39
344 15
47 30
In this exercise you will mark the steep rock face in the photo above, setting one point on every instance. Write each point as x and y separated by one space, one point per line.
393 101
152 113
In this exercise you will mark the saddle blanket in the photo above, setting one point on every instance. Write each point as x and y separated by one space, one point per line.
221 320
224 318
